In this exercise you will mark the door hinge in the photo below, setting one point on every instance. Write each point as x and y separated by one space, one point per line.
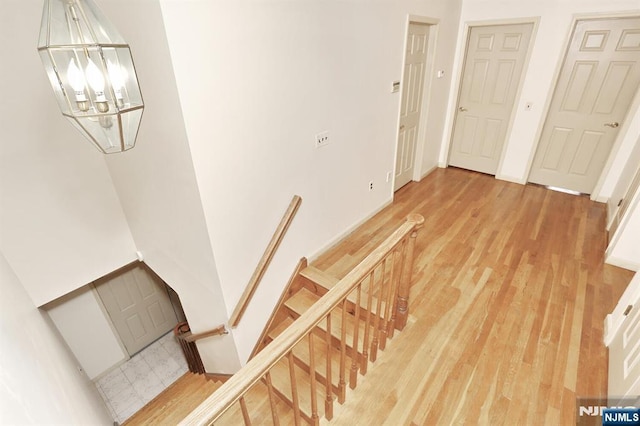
620 202
626 311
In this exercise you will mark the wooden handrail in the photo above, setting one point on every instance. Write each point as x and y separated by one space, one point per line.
216 405
191 337
264 261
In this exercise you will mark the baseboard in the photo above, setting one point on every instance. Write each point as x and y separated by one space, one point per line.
520 181
335 240
622 263
607 335
429 171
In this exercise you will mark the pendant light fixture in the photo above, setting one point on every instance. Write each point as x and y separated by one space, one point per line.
91 71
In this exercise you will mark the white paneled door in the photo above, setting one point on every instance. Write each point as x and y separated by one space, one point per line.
139 306
624 355
598 80
412 88
493 65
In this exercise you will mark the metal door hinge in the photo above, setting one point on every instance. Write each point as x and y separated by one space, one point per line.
626 311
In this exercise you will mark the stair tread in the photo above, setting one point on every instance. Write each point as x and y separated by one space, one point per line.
280 378
304 299
301 352
259 408
328 281
319 277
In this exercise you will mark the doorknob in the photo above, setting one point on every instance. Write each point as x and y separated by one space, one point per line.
612 125
462 109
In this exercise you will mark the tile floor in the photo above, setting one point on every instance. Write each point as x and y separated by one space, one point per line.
129 387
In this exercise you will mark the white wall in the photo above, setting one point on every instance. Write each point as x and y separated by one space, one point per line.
548 49
39 380
84 326
257 80
624 250
157 186
61 223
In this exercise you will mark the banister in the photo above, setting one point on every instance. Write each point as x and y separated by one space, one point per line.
230 392
264 261
192 337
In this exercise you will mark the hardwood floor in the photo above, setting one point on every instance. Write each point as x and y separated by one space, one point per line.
506 311
507 307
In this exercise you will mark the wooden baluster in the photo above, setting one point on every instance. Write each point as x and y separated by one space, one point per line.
245 411
314 394
365 343
394 297
342 386
388 301
294 389
353 377
376 323
328 403
407 270
272 400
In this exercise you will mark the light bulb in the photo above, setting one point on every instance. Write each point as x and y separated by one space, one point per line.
76 80
116 75
96 81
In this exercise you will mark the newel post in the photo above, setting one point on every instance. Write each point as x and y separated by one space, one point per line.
402 304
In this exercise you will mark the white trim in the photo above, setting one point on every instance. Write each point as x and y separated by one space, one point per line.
511 179
623 263
335 240
459 64
428 172
613 321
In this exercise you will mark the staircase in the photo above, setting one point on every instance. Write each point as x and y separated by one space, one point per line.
321 337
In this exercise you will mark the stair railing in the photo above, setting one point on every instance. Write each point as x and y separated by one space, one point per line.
386 274
270 251
188 340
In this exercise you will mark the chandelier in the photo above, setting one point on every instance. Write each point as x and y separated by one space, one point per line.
91 71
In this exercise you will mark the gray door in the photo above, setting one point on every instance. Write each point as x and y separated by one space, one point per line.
598 80
493 67
139 306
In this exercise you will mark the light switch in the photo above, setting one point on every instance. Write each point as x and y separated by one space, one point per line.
440 73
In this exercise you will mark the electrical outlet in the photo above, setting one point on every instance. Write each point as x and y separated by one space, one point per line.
322 139
388 176
371 186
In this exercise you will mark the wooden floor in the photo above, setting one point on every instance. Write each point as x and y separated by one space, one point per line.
507 307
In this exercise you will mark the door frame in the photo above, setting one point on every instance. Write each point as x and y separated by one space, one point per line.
433 24
458 66
596 194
